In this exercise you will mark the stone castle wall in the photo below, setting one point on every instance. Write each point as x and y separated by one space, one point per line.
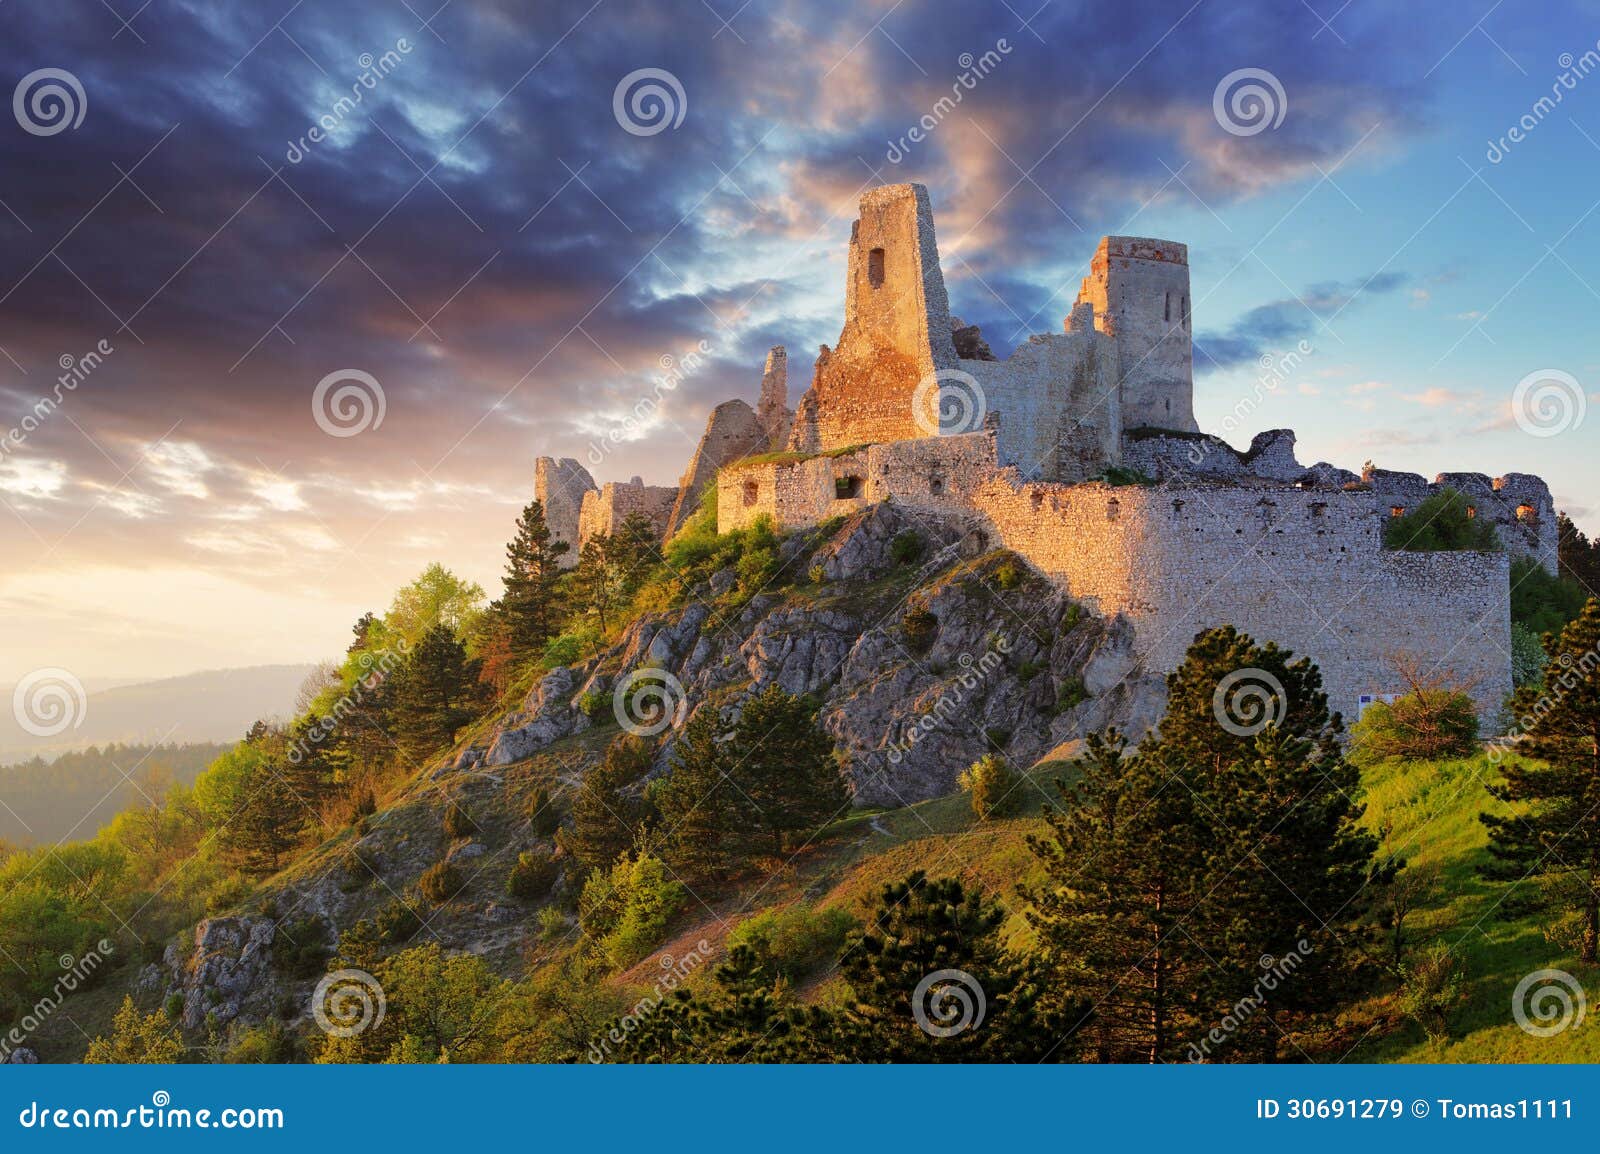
605 510
732 431
1303 568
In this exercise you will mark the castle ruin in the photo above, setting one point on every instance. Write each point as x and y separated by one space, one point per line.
911 406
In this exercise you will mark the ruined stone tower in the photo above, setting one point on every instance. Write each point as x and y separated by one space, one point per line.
773 408
1140 291
559 485
896 328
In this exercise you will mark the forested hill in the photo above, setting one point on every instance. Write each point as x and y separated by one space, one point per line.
209 706
71 797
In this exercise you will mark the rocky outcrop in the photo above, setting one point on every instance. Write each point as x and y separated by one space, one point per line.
229 973
921 665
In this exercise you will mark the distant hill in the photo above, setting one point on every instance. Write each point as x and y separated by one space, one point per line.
216 705
70 798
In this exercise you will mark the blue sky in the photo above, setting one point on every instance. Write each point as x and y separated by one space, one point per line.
483 237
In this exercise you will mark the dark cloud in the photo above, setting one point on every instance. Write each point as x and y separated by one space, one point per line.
1272 328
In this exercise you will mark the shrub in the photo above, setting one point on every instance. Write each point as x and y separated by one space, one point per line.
907 547
397 922
441 882
458 824
624 912
543 814
817 574
1073 693
1541 603
1527 656
993 787
301 948
792 941
1427 725
552 923
533 875
595 705
571 647
1441 523
1008 574
920 627
1118 475
1070 620
1431 987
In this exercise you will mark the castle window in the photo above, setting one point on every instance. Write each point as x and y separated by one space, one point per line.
846 488
1166 309
936 484
1320 509
1113 509
752 491
1185 308
875 268
1177 506
1397 510
1472 511
1038 501
1527 513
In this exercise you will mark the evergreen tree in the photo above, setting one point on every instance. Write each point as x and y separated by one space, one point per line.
1441 522
1124 871
986 1008
607 816
702 812
1580 557
595 583
433 695
530 603
632 552
136 1039
1555 835
783 765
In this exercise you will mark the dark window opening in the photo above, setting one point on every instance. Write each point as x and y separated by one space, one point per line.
1166 309
1472 511
1177 506
1113 509
936 484
751 492
875 268
846 488
1038 500
1319 509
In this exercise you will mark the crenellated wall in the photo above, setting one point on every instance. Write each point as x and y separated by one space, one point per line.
605 510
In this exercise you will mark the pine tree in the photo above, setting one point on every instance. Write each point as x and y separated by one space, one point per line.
1555 836
632 552
783 764
530 602
702 812
1124 866
607 817
433 695
595 583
